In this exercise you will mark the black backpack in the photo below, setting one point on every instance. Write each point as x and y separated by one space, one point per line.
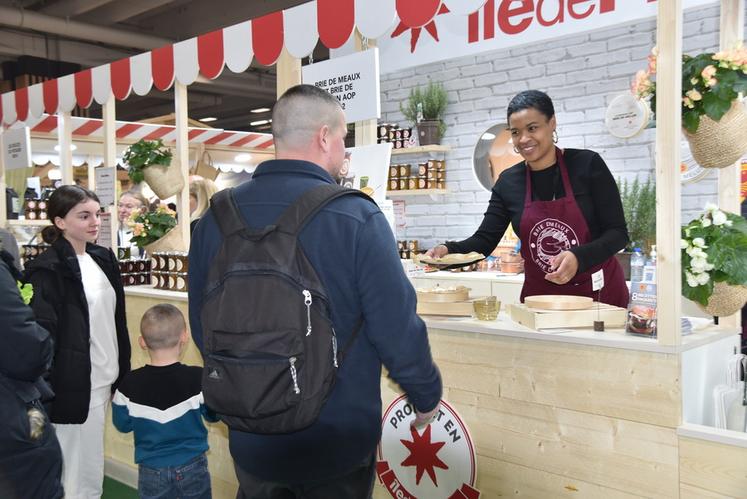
270 348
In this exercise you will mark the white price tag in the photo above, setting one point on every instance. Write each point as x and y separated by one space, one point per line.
597 280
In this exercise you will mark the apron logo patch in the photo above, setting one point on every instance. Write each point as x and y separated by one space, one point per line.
547 239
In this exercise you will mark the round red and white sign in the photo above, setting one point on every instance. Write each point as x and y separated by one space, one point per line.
432 462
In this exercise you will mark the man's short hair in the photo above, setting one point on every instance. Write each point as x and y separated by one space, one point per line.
300 112
161 326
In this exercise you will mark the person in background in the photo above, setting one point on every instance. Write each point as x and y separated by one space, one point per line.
30 456
563 204
335 456
78 297
129 202
200 192
162 404
8 243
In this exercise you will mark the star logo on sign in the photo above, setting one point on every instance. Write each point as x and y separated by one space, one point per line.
431 28
423 455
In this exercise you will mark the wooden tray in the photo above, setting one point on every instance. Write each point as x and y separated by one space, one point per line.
612 316
450 261
558 302
461 293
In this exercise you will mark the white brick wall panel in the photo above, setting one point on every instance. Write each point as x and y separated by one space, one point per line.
460 220
581 77
474 93
587 49
583 103
702 43
600 61
459 84
552 55
474 117
494 78
562 67
477 69
610 33
626 69
473 209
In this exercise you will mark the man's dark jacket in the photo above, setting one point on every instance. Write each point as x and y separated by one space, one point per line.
61 307
351 247
29 467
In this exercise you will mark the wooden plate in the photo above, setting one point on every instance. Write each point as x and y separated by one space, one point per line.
558 302
452 260
441 295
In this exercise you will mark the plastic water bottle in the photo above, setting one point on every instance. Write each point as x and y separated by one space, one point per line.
637 261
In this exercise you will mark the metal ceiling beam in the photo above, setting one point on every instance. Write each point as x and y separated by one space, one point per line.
28 20
72 8
116 12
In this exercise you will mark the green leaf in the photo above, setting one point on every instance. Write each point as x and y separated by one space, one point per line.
690 120
714 107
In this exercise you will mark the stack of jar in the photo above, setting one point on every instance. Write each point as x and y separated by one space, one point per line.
399 137
170 270
428 175
35 209
135 271
407 249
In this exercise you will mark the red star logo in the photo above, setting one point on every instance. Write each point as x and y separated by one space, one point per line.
415 35
423 455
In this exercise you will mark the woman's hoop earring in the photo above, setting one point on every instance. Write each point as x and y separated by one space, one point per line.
516 150
555 136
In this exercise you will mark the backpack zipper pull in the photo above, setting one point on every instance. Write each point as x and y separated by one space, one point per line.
294 375
307 302
334 347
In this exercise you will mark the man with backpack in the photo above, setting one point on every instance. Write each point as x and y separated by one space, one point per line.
296 299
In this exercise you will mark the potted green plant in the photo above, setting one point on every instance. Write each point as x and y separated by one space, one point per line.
714 261
639 206
150 160
156 230
713 116
425 108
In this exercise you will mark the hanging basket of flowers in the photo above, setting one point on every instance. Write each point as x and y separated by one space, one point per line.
714 261
156 230
150 160
713 117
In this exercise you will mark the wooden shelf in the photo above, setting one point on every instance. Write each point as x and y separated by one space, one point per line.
25 223
417 192
421 149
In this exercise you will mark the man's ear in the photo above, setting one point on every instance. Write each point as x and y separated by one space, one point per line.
323 137
141 342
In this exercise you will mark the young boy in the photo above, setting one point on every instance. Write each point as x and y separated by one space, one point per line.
162 403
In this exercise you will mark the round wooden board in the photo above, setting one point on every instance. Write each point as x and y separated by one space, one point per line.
558 302
459 294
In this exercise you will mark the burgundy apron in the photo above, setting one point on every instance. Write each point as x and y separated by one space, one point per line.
549 227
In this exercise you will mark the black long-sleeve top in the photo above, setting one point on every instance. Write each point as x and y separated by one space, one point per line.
596 193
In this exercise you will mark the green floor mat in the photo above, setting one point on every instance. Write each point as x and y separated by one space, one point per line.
117 490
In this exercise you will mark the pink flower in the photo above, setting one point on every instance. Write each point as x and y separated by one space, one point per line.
694 95
688 102
137 229
708 72
641 85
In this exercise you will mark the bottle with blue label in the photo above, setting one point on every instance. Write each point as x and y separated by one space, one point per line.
637 262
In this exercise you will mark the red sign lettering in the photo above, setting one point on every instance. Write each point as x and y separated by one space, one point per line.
506 12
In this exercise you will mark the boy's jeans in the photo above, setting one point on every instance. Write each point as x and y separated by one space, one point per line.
191 479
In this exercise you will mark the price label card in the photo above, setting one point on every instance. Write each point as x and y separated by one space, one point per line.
597 280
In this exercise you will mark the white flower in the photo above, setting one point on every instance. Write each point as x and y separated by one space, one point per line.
699 242
719 217
703 278
706 222
698 264
695 252
683 243
728 223
711 207
691 280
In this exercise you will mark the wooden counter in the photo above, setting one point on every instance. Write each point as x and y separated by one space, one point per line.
578 414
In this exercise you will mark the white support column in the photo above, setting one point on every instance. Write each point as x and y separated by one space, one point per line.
181 159
729 178
108 114
365 131
668 203
288 71
65 140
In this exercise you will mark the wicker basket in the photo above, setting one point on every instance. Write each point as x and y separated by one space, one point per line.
172 241
165 181
718 144
727 299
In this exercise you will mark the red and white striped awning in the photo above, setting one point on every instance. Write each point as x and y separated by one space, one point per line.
91 127
298 29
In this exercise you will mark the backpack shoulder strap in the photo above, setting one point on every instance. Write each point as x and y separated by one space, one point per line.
298 214
226 212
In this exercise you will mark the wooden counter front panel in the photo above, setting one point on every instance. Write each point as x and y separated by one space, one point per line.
560 420
710 469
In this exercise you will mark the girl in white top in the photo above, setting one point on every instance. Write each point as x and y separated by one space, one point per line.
78 297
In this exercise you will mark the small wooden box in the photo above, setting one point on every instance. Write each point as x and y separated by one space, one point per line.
547 319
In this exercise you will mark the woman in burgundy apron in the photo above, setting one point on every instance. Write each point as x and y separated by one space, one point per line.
566 235
549 228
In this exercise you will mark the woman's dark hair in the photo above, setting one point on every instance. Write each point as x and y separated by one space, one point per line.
531 99
62 200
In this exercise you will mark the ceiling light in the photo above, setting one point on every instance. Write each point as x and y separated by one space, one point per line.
488 136
260 110
243 158
260 122
208 119
72 147
54 174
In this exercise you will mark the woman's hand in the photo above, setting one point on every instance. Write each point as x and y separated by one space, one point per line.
437 251
564 267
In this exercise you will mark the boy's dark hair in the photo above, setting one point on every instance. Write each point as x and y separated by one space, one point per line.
531 99
162 326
